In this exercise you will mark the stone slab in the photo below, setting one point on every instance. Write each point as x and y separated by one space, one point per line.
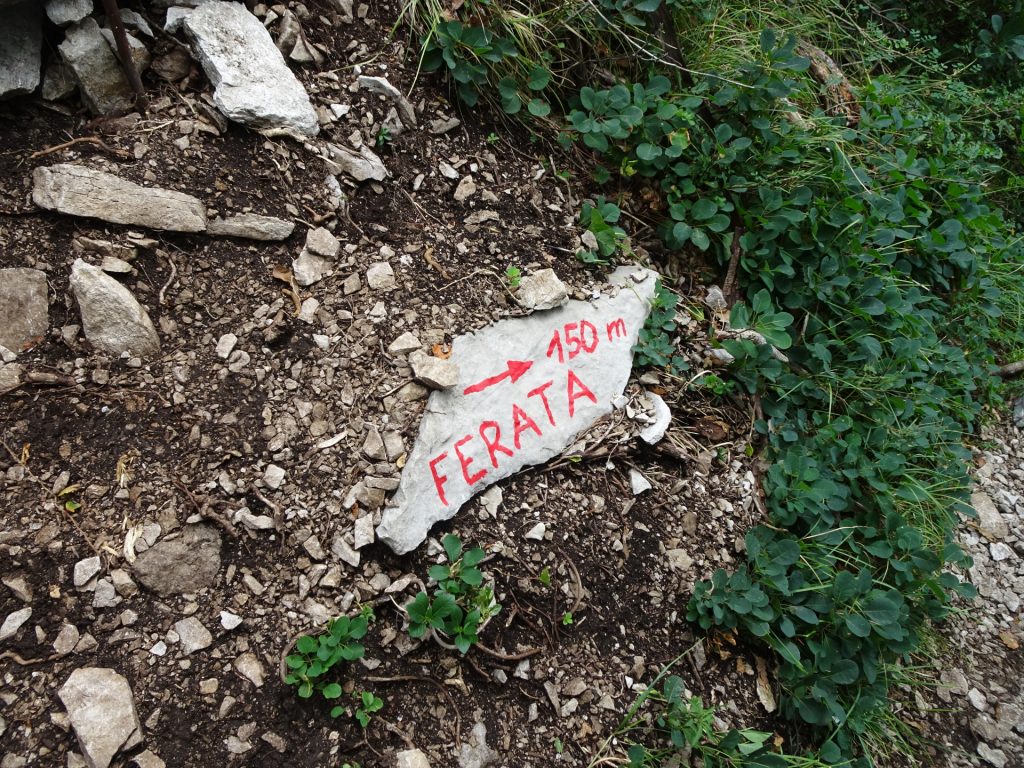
526 388
21 41
80 191
251 226
101 80
252 83
101 709
24 307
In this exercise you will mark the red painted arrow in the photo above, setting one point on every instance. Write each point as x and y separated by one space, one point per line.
516 369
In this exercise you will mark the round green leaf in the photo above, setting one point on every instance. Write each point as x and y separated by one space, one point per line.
539 108
539 79
332 691
700 238
704 209
306 644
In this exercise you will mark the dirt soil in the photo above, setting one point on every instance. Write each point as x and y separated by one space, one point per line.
127 452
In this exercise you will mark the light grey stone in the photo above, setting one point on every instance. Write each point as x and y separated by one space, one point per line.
18 584
678 559
309 268
136 48
85 569
24 308
113 321
250 667
360 165
229 620
465 189
65 12
252 83
343 551
381 86
14 621
411 758
21 40
541 290
273 476
433 371
321 242
134 20
638 483
373 445
148 759
662 418
225 345
183 564
992 756
1000 551
380 277
100 77
990 521
525 388
476 753
66 640
536 533
105 596
363 532
10 377
79 191
251 226
102 711
58 81
192 635
407 342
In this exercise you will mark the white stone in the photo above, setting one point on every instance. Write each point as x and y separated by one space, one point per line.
526 387
192 635
17 583
380 85
407 342
249 667
380 276
85 569
465 189
361 164
102 711
1000 551
638 483
678 559
225 345
536 533
105 596
21 41
64 12
321 242
541 290
251 226
14 621
252 83
24 308
229 620
990 521
342 550
101 80
113 321
433 371
66 640
363 532
411 758
79 191
10 377
309 268
273 476
654 431
992 756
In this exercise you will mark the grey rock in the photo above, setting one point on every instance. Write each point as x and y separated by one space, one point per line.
380 277
992 756
66 640
105 596
321 242
273 476
476 754
113 321
1018 412
638 483
65 12
433 371
411 758
147 759
977 699
252 227
24 308
363 532
678 559
134 20
373 445
536 533
192 635
525 388
249 667
100 77
465 189
102 711
407 342
183 564
662 418
58 81
10 377
252 83
14 621
1000 551
18 584
382 87
360 165
343 551
541 290
79 191
230 620
990 521
85 570
309 268
21 41
136 48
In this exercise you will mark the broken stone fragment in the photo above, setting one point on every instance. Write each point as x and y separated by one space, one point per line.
101 79
662 417
433 371
381 277
541 290
360 165
101 709
252 83
21 40
321 242
407 342
24 308
381 86
309 268
79 191
58 81
183 564
251 226
113 321
524 388
65 12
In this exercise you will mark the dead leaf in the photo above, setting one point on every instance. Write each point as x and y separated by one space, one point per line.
443 351
1009 640
25 449
764 688
283 274
713 429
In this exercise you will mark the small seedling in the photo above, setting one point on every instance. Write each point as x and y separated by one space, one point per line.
514 275
567 619
316 655
493 138
460 604
544 577
559 746
383 137
368 704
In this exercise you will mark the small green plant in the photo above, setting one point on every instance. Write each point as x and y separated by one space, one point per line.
493 138
544 577
514 276
466 52
714 384
460 604
367 704
654 346
567 619
603 238
317 655
383 138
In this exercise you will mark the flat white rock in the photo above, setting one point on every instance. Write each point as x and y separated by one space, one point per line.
193 635
252 83
102 711
251 226
13 622
112 319
79 191
526 387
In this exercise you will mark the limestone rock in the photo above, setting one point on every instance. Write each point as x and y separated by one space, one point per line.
193 635
10 377
136 48
252 83
183 564
525 388
360 165
79 191
113 321
58 81
309 268
541 290
411 758
102 711
433 371
65 12
407 342
24 308
381 86
21 41
13 622
321 242
100 77
990 521
252 227
380 277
